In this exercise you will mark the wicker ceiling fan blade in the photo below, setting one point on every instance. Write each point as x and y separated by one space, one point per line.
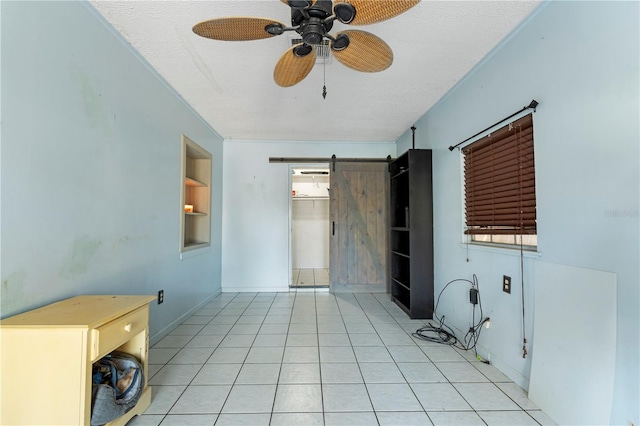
370 12
238 28
366 52
291 69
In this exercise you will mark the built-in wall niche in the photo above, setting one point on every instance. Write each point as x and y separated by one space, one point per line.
195 197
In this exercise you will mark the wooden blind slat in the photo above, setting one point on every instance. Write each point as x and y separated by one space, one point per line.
498 214
504 161
496 219
488 200
501 182
506 192
505 148
500 208
498 145
484 231
504 180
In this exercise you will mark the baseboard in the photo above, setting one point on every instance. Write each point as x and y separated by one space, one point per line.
358 288
256 289
169 328
498 363
508 371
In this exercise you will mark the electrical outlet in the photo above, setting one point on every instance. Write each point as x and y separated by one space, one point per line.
160 297
506 284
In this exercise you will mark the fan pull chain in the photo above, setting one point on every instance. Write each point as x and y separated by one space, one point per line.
324 78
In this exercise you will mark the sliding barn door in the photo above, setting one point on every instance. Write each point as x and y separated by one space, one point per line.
359 227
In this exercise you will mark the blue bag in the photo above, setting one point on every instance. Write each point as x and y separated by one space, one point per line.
118 381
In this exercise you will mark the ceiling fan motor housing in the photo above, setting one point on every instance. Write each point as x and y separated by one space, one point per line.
313 28
312 31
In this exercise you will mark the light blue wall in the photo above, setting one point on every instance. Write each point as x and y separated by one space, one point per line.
580 61
91 168
256 207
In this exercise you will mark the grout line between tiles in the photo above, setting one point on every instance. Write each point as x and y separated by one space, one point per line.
364 383
205 363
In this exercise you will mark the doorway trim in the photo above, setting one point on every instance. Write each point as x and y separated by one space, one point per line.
311 161
303 163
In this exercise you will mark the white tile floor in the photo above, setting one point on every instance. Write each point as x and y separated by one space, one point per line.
318 277
314 358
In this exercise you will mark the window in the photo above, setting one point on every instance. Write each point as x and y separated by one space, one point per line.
500 189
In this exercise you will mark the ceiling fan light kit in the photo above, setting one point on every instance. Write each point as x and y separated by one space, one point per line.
274 28
299 4
345 12
302 49
341 42
312 20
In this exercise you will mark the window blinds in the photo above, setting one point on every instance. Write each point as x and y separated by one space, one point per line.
500 189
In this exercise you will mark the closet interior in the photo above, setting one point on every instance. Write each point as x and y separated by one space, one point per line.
310 226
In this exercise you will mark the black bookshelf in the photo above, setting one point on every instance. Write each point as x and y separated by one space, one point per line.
411 239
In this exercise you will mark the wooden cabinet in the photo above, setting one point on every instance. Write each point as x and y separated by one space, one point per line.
411 239
195 198
46 357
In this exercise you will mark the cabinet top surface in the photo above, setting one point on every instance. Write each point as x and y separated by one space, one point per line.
79 311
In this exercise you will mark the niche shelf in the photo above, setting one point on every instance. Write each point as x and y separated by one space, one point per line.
195 190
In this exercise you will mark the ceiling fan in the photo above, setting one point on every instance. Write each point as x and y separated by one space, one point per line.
312 20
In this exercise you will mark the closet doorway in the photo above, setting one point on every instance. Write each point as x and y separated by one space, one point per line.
309 220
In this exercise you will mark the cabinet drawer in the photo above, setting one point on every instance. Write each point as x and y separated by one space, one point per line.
117 332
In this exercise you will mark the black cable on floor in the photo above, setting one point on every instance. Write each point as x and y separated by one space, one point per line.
443 334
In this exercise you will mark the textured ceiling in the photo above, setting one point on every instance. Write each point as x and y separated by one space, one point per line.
230 84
